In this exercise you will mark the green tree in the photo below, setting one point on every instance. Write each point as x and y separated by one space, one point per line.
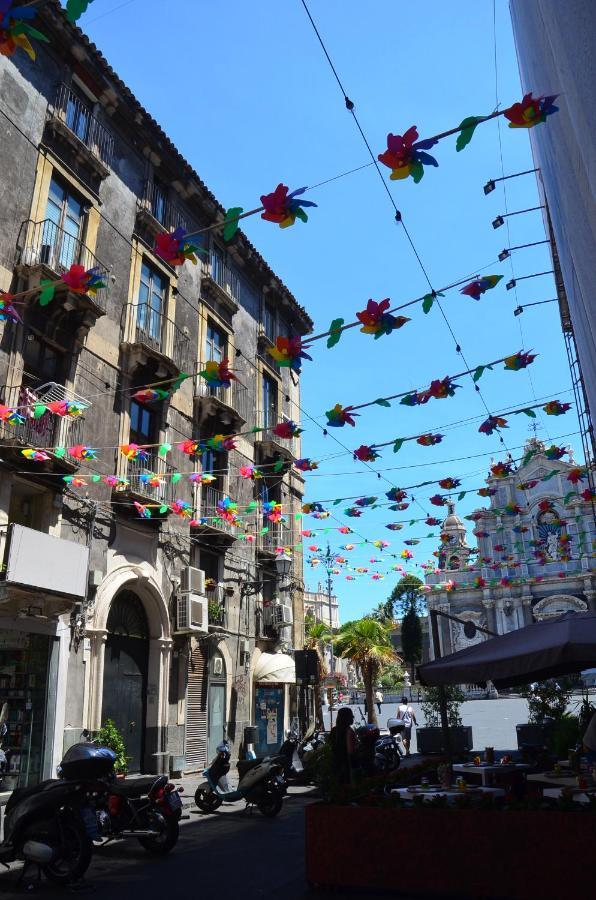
381 613
431 706
316 636
411 639
405 595
367 644
406 600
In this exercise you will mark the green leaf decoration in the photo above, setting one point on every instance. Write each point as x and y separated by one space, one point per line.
252 505
550 475
255 429
568 496
528 457
398 444
338 501
96 478
468 127
177 382
264 530
416 171
278 466
527 412
163 509
336 334
33 32
461 495
412 522
76 8
231 225
163 450
297 517
39 410
427 302
382 402
59 452
48 289
176 477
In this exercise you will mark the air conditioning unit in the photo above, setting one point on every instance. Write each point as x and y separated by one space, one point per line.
192 581
191 614
280 614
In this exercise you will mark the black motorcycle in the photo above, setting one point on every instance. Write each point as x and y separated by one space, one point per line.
294 754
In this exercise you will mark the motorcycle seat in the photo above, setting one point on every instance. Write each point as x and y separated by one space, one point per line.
135 787
19 794
245 765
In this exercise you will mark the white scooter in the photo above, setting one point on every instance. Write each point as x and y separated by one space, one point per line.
262 783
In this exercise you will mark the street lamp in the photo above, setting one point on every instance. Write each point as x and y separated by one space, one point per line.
283 564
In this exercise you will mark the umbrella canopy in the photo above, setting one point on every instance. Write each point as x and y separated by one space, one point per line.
276 668
542 650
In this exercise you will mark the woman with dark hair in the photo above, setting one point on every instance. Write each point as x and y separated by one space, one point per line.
343 744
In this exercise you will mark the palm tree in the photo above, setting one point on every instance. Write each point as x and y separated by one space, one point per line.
317 635
367 644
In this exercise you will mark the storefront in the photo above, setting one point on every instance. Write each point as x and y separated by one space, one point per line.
28 684
272 676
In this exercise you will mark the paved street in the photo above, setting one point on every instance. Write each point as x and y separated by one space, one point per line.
493 721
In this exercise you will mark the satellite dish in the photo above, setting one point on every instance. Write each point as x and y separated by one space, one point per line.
470 630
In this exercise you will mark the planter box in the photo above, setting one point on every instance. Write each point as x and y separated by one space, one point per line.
430 740
476 854
533 736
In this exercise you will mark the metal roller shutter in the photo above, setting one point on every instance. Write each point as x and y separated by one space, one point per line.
196 711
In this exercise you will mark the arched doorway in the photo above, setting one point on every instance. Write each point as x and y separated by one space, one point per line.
216 703
125 673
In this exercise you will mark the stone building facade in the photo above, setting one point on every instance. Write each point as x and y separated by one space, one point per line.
91 603
534 558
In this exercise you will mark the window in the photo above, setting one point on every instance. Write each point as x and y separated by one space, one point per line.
42 361
209 563
159 195
215 464
62 228
152 298
269 400
215 344
269 321
142 423
78 115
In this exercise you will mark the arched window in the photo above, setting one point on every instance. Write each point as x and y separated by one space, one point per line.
454 562
127 616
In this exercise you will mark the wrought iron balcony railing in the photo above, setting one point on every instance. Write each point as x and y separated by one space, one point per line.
236 397
156 202
276 536
223 276
268 420
46 244
208 505
140 474
76 114
145 325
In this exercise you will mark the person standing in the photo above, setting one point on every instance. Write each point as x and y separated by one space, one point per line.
378 699
344 744
406 714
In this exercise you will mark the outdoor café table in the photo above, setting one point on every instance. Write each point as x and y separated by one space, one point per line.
488 772
578 796
451 793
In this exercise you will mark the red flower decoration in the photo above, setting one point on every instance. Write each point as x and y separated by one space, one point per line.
428 440
365 454
437 500
530 111
432 521
287 430
283 208
449 484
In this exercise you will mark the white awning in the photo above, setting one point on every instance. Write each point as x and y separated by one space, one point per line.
275 667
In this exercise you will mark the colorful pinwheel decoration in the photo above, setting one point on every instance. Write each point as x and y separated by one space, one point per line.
366 501
531 111
501 469
394 526
524 485
151 479
381 545
272 510
377 320
353 512
406 554
399 507
133 451
82 451
74 480
479 286
350 578
519 361
553 452
348 547
554 408
306 465
486 491
321 515
344 529
284 208
429 440
396 494
432 521
11 416
439 389
405 155
412 542
546 506
150 395
181 508
365 453
35 455
227 510
588 495
143 511
576 475
479 582
15 30
309 508
249 472
217 374
449 484
289 353
175 249
512 509
340 416
8 310
82 281
221 444
287 430
493 422
438 500
113 481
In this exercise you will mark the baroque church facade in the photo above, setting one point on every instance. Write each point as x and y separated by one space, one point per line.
535 550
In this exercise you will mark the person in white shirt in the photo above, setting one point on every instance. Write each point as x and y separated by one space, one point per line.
378 699
406 714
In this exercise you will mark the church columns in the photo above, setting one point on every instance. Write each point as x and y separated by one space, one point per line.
491 619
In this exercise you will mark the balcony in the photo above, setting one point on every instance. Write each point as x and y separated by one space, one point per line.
156 213
208 500
231 406
278 535
149 333
139 488
72 121
216 608
221 281
45 251
272 445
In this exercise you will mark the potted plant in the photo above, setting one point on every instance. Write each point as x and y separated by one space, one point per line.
547 703
109 736
429 738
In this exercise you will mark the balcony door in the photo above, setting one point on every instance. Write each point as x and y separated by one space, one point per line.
78 112
62 228
269 401
151 305
215 343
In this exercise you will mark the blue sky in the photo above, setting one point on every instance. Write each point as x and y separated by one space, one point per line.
245 93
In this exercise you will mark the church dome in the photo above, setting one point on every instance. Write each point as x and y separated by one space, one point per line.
452 522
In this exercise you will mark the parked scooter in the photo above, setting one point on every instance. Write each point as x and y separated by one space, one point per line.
146 809
262 783
295 753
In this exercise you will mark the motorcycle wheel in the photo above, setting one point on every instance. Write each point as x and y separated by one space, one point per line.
270 807
206 800
162 843
74 847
